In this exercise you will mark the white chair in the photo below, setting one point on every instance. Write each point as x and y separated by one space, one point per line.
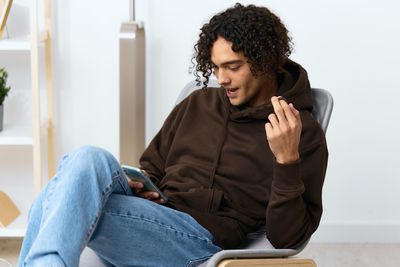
257 250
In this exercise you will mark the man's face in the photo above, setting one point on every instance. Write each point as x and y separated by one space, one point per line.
234 75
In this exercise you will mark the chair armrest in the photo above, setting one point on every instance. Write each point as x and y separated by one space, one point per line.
248 254
251 254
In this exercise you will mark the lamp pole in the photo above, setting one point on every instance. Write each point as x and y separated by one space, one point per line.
132 89
132 10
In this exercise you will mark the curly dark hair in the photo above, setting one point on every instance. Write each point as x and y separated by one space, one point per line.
255 31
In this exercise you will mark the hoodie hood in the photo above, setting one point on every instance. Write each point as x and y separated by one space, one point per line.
293 85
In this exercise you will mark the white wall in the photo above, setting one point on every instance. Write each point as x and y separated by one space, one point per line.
348 47
86 73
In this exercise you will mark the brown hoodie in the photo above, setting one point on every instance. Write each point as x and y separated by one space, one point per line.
212 161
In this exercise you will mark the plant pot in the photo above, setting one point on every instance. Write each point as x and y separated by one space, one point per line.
1 118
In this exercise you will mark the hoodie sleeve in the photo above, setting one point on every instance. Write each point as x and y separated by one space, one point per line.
154 157
295 206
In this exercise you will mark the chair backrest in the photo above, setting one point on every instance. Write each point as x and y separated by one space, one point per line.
323 105
190 87
323 101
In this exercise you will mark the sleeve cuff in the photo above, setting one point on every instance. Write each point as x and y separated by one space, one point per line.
287 176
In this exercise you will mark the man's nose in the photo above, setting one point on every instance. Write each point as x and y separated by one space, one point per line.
223 78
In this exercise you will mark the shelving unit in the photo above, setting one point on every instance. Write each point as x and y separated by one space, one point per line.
20 135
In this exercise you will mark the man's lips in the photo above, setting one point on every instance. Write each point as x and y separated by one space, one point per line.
231 92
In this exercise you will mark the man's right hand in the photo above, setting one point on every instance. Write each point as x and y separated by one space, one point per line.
137 189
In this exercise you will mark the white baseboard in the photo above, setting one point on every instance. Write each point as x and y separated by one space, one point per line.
357 233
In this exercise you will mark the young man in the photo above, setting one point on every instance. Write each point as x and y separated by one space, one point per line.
229 159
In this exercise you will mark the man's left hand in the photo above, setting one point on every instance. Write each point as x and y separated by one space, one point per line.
283 131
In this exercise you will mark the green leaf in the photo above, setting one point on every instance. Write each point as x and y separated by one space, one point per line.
3 83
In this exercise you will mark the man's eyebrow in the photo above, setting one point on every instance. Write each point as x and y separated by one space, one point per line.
230 62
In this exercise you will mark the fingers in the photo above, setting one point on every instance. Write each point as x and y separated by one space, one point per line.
278 108
135 186
146 173
152 196
286 114
296 113
148 195
282 109
273 121
268 130
159 201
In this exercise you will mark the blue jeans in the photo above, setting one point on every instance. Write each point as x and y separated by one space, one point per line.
89 203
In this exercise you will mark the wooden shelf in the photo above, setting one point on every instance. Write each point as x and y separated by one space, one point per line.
13 134
20 43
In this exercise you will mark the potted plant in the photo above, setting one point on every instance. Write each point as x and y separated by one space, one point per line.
3 93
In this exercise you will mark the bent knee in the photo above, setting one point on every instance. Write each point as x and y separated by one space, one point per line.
90 156
88 165
91 151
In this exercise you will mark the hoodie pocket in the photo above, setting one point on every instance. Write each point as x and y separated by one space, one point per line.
216 200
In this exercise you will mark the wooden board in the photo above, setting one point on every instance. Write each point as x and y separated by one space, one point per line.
5 6
286 262
8 210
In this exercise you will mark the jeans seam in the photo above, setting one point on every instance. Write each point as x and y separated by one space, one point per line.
123 185
97 218
158 223
49 194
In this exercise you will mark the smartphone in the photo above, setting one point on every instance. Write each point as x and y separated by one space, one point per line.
138 175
